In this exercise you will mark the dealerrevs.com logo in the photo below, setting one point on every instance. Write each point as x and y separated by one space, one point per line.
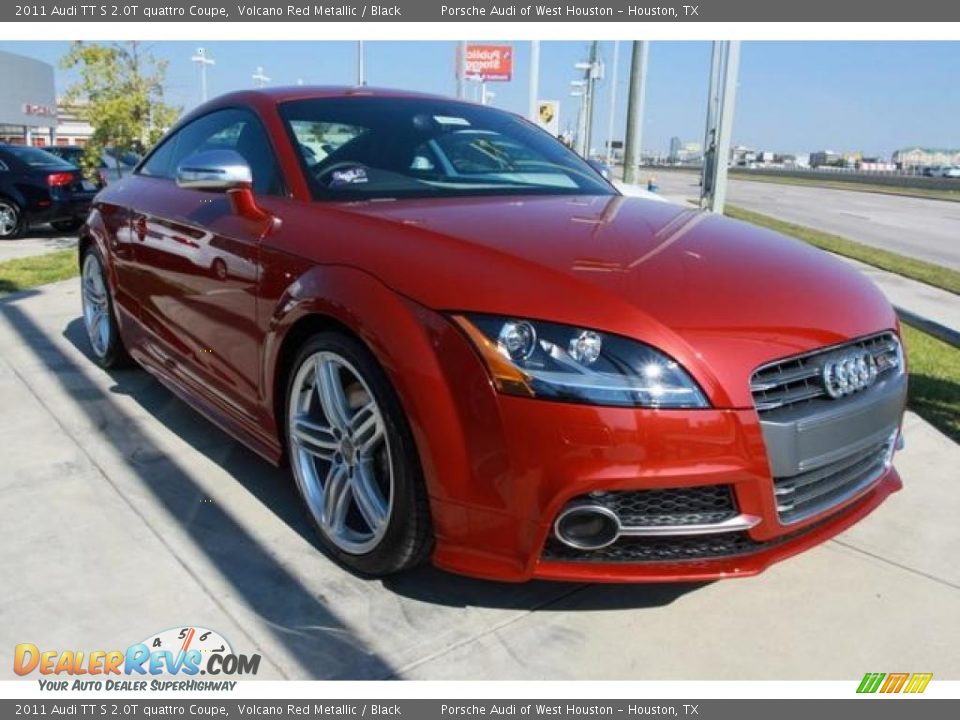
168 660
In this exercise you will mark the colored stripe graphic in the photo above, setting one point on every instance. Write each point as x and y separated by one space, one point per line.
894 682
870 682
918 682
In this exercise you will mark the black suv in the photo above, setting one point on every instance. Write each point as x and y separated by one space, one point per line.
37 187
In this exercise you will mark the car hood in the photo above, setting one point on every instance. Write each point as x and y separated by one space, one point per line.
719 295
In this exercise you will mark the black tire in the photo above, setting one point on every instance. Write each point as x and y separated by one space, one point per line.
408 538
9 208
114 355
67 226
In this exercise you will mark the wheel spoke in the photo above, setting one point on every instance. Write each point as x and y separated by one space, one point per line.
316 439
336 498
333 400
366 429
368 497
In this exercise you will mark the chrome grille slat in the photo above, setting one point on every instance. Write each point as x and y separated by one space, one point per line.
807 494
784 378
830 483
797 380
808 478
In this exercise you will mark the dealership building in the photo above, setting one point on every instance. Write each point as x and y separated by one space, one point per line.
29 113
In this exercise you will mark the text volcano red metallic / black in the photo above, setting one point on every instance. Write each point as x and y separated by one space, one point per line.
468 346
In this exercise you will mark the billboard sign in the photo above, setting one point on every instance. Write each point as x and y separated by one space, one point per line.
548 116
489 63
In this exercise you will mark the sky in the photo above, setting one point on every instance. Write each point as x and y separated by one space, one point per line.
793 97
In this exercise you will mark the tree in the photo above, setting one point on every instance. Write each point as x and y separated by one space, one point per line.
120 93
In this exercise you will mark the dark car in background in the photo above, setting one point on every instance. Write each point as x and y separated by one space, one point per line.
112 165
37 187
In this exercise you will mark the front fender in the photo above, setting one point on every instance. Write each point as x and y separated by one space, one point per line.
399 333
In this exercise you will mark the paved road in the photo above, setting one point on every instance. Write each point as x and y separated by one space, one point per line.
927 229
123 513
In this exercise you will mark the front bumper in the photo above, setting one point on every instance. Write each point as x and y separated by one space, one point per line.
529 458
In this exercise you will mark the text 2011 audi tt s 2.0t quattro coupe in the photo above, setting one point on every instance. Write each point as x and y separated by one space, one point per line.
470 347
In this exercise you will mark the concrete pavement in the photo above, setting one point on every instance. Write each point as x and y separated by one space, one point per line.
925 229
38 241
124 513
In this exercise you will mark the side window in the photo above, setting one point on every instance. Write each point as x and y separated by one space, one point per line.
232 129
158 164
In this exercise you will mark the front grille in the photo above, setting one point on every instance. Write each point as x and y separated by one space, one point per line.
808 493
668 506
797 380
671 549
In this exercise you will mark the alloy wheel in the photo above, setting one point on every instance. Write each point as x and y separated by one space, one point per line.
96 307
9 218
340 452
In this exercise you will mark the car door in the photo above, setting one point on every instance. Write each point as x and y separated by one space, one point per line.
198 264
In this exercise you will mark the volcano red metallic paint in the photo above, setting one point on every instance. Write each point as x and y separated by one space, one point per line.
720 297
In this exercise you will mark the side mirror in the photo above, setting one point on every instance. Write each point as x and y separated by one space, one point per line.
215 170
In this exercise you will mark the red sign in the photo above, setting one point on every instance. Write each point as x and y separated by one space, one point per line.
489 63
40 110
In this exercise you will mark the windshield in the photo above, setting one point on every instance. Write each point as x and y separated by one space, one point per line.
375 147
36 158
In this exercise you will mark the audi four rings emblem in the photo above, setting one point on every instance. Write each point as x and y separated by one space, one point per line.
848 373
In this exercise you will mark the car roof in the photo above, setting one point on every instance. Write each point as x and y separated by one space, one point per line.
306 92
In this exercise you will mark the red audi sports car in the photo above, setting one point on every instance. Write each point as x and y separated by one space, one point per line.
469 347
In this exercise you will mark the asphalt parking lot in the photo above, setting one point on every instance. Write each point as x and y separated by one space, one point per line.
124 514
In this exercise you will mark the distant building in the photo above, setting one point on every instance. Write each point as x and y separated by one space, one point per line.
915 157
821 158
69 130
676 145
27 98
742 156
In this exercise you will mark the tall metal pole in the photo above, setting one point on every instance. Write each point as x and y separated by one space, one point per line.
361 72
635 102
710 134
728 101
613 102
534 79
591 94
203 60
461 63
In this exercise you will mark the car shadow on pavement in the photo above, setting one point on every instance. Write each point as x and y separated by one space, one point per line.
299 620
274 489
428 584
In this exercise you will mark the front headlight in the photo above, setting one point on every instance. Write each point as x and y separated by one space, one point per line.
562 362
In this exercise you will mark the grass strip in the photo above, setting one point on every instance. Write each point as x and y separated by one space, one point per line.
920 270
29 272
934 380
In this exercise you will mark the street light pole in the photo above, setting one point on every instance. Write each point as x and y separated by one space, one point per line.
461 61
534 79
592 74
203 60
710 134
731 69
613 102
635 102
259 78
361 71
